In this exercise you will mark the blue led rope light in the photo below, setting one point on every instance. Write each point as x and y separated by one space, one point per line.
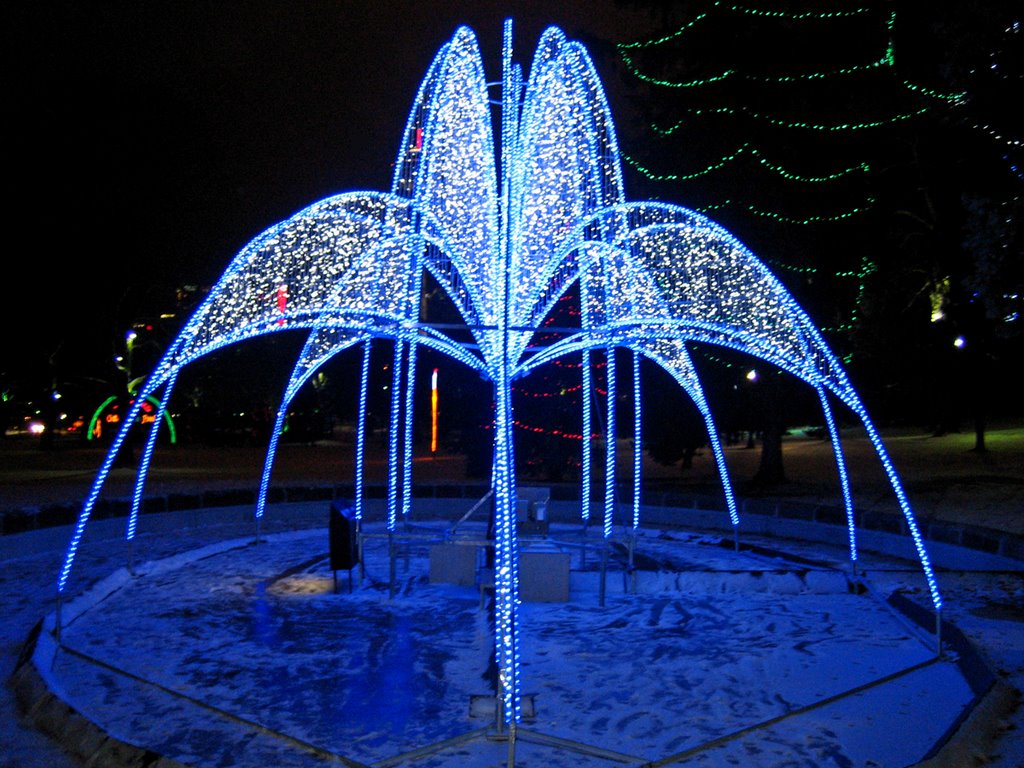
336 230
83 518
320 346
268 461
609 450
587 403
693 388
587 432
147 455
506 540
653 277
360 458
844 478
394 432
412 312
638 445
410 383
851 399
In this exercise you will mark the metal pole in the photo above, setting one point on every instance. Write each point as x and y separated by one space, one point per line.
604 573
631 541
391 557
57 617
938 632
512 744
359 548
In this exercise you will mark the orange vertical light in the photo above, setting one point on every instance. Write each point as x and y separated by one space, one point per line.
433 412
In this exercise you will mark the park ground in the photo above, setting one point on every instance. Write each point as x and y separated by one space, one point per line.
945 478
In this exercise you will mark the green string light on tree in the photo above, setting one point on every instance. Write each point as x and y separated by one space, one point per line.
735 74
809 15
801 124
783 219
883 63
745 148
805 16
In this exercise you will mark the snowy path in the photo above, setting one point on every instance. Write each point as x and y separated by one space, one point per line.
260 633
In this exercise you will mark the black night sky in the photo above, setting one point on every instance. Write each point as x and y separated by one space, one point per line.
149 142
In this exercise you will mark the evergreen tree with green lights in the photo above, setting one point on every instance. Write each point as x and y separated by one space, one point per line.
835 141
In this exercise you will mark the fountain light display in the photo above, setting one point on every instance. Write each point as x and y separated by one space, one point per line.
506 234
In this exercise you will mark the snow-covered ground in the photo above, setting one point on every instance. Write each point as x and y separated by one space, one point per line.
260 633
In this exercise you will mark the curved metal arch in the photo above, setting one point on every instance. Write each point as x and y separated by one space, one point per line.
664 275
604 125
624 223
758 307
669 354
180 353
566 123
456 187
605 236
449 265
853 402
584 342
707 333
407 169
305 368
347 227
144 460
685 376
844 477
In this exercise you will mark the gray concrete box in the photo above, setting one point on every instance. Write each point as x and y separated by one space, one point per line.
453 564
544 577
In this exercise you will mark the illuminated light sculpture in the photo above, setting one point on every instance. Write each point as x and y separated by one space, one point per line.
506 240
107 413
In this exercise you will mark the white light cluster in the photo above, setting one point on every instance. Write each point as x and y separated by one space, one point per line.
506 237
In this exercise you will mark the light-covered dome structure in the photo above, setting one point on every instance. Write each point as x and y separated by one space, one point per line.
506 232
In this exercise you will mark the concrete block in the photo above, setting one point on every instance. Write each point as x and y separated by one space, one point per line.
544 576
453 564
